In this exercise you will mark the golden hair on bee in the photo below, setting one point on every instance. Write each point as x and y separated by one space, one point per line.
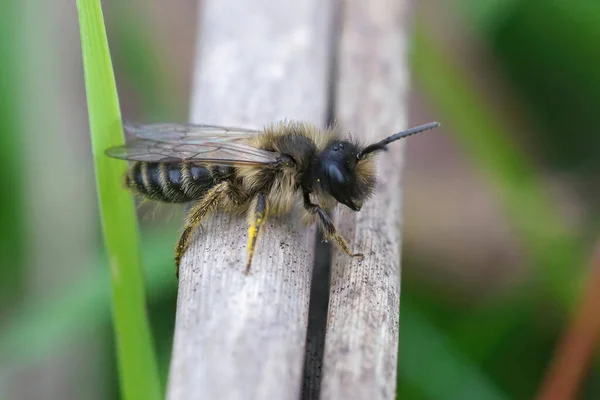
261 173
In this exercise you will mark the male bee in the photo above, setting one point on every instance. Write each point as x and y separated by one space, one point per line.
261 173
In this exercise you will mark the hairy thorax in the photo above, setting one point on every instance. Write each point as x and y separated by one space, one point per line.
282 186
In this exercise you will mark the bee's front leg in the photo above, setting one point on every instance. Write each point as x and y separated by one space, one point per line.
257 214
327 226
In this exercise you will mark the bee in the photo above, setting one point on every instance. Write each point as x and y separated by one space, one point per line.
260 173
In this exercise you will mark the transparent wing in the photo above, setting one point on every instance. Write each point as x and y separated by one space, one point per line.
188 133
214 152
172 143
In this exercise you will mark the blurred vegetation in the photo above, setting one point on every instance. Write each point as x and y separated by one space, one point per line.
141 67
496 348
12 231
550 51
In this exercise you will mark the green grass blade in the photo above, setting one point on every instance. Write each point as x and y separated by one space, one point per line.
138 370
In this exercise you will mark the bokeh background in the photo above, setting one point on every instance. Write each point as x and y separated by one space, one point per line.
500 202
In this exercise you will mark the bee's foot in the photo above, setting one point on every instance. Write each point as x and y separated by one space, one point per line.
360 256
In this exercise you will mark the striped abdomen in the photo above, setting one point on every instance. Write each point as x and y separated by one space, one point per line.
174 183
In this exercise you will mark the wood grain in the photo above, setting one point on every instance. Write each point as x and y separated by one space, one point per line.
238 336
361 343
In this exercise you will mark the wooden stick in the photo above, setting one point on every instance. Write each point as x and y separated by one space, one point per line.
361 344
238 336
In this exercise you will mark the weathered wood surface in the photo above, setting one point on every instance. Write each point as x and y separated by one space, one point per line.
238 336
361 342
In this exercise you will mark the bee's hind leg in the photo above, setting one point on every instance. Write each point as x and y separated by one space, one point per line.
327 227
194 217
257 214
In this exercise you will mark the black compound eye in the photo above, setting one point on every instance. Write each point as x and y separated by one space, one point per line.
335 175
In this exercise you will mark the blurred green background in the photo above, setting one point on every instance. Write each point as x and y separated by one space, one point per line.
500 217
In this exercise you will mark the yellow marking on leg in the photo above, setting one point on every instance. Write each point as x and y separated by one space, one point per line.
257 216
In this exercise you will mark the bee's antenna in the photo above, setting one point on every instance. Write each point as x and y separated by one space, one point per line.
382 145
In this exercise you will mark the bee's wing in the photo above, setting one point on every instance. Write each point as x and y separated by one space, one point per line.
172 143
188 133
214 152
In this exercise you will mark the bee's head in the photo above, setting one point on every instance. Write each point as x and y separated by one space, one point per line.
345 176
347 171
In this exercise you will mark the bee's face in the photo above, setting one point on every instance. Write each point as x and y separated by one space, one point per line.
339 174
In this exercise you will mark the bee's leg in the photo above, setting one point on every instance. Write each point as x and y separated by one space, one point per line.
327 227
194 217
257 214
